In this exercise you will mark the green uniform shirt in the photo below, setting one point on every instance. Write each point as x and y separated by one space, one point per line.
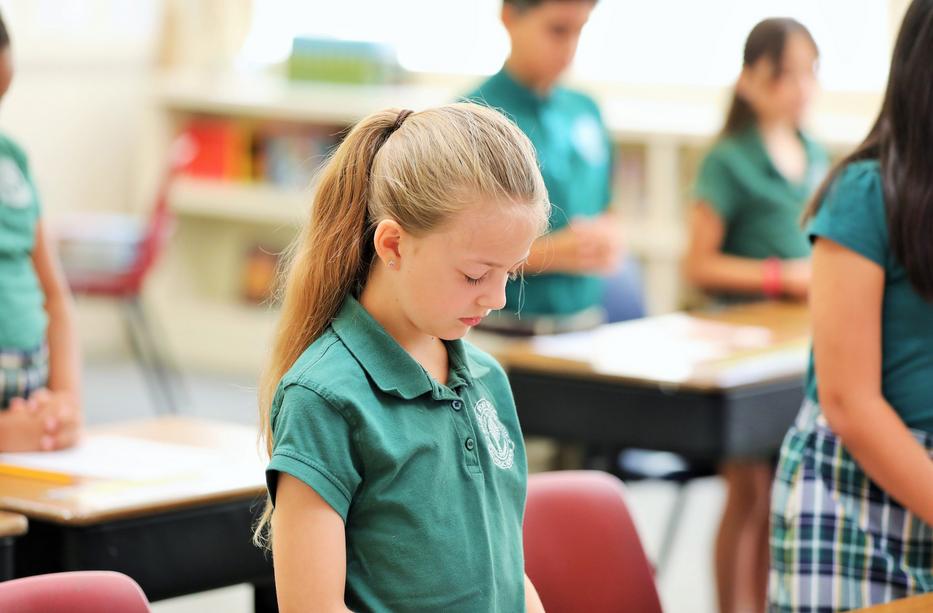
575 155
853 215
22 310
758 205
430 479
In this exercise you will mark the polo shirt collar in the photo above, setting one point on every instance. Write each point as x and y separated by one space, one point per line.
755 145
390 367
517 91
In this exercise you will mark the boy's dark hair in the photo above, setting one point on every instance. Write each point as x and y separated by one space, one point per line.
530 4
901 141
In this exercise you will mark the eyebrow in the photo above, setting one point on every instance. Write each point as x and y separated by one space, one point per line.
497 265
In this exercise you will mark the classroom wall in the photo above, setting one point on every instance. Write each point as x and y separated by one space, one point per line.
77 105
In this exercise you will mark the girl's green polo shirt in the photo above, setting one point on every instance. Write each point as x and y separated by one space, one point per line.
758 205
430 479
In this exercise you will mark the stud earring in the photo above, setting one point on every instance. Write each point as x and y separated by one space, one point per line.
391 263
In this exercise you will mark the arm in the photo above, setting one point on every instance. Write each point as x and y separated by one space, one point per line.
705 266
532 600
846 299
308 549
64 364
48 420
61 402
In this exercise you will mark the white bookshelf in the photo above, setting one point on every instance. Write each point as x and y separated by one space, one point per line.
218 220
239 202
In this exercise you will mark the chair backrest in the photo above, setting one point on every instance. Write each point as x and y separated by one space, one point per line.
582 552
76 592
160 224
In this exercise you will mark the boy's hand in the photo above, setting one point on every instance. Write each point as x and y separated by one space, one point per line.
586 246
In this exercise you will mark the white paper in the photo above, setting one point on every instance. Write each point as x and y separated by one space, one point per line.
121 458
670 346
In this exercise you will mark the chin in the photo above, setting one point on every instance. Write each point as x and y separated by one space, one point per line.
454 335
445 332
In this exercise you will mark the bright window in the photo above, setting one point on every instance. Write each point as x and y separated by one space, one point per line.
676 42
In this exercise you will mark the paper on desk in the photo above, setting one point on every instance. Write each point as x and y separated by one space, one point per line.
119 457
668 347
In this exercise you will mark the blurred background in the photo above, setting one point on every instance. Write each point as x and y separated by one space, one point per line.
264 87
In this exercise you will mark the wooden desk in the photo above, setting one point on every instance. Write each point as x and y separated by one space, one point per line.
716 385
174 535
915 604
11 526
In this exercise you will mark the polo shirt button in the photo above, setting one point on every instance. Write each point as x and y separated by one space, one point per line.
470 444
457 405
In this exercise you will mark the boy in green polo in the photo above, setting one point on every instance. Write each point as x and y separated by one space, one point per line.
564 279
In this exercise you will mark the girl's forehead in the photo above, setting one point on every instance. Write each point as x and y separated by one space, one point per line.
506 229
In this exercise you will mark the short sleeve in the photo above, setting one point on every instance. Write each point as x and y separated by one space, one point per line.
611 158
852 213
313 442
716 186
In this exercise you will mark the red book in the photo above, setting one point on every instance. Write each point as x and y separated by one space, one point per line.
223 150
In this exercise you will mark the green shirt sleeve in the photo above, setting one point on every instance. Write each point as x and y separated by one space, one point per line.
716 186
610 176
313 442
853 214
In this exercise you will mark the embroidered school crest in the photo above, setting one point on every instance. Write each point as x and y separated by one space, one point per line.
498 442
588 138
14 189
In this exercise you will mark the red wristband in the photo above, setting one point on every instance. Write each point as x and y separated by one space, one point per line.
772 285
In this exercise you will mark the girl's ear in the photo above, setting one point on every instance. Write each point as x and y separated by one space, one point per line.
386 241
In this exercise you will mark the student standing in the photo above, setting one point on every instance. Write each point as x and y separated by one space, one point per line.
565 275
39 393
852 507
746 244
397 470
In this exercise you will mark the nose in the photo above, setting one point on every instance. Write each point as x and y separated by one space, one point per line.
494 299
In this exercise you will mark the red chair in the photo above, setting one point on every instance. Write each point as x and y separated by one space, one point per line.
582 552
77 592
110 256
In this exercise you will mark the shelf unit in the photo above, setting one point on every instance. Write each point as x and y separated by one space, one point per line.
659 145
245 203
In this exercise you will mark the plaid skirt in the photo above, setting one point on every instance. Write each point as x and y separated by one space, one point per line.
22 373
838 542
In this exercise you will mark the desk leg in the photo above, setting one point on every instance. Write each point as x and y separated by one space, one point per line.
7 563
264 598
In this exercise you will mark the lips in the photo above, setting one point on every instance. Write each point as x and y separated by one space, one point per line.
471 321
